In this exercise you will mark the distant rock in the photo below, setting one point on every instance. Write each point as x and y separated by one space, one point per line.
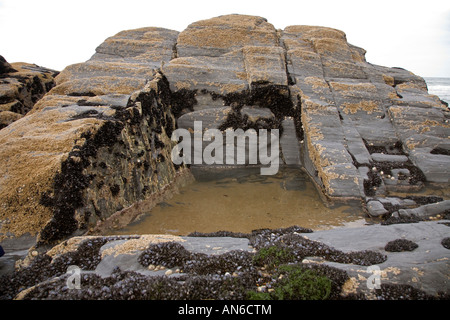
415 256
21 86
5 67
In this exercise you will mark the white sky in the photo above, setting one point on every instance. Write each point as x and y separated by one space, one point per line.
414 35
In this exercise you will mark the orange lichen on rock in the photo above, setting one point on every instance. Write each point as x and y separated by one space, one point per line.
99 86
364 105
229 31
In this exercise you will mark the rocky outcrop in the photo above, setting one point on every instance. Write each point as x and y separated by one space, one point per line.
99 141
21 86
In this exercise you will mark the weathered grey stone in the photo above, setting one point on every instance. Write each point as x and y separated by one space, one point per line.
417 120
5 67
250 118
272 58
145 45
215 245
435 167
211 118
343 181
355 143
426 210
425 268
377 131
290 146
388 157
398 201
399 177
220 75
376 208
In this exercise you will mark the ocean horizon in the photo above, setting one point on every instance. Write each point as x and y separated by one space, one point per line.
439 86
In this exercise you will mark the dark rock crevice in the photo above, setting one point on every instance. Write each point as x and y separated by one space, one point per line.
237 120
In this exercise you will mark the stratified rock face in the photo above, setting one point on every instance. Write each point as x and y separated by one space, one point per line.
99 141
21 86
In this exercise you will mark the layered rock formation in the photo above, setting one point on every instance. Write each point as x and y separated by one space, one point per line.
364 129
21 86
99 141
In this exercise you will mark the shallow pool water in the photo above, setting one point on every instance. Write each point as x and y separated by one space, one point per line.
242 201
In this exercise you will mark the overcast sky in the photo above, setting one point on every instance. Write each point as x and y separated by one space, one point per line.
414 35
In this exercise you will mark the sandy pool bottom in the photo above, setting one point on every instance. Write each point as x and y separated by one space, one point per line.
242 201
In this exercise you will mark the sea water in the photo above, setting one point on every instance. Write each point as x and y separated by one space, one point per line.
439 87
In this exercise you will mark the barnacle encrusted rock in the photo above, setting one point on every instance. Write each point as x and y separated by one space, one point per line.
172 267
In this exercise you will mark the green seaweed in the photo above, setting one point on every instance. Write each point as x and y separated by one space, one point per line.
296 283
273 256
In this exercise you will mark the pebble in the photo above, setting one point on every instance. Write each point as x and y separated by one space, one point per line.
168 272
